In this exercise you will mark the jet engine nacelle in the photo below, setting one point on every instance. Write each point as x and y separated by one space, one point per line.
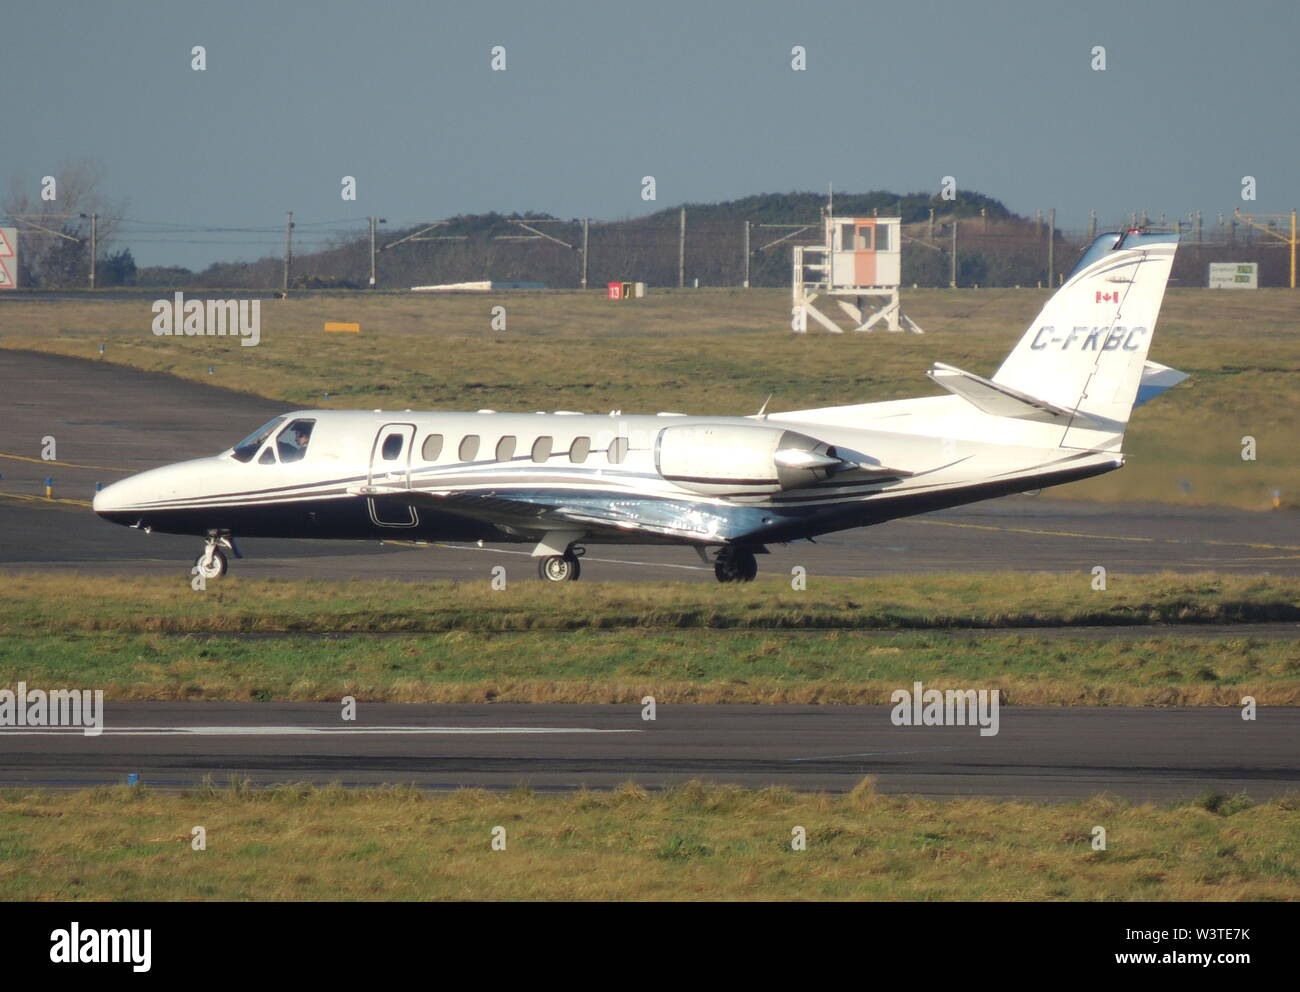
734 459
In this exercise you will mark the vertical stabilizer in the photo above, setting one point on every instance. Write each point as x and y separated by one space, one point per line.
1087 349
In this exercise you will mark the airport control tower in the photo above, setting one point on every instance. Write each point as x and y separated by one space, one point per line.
857 265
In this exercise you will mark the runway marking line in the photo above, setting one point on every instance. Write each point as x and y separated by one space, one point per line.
874 754
1105 537
604 561
42 499
44 461
255 731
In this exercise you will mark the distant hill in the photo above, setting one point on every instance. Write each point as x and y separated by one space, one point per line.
796 208
645 249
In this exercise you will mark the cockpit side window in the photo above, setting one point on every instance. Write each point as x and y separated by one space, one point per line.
293 440
247 448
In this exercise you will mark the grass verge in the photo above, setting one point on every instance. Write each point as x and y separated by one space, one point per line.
692 842
58 603
673 666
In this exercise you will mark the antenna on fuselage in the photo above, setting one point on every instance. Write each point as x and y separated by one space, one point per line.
762 410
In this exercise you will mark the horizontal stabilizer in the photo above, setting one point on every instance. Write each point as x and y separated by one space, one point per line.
995 399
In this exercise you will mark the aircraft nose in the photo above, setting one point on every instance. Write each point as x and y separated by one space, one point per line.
145 495
140 492
117 497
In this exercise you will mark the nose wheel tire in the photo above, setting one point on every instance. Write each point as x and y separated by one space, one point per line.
559 568
735 565
214 567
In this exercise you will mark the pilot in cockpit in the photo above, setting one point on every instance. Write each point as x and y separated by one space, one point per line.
292 451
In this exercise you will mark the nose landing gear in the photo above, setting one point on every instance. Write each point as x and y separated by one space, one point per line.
213 564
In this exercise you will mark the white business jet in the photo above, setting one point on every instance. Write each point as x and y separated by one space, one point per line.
1055 412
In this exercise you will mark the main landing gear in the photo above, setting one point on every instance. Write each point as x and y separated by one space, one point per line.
735 564
562 568
212 564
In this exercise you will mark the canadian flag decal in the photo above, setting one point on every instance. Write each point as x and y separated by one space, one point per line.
1107 297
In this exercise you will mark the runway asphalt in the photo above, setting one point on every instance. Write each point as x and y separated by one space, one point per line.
110 421
1038 753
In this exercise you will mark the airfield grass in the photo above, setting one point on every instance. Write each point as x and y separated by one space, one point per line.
921 601
841 641
690 842
839 667
724 351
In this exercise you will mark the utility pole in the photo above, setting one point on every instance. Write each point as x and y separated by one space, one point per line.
681 252
586 225
952 279
288 251
746 282
1051 246
372 253
94 245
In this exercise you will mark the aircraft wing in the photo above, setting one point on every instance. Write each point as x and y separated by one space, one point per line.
528 516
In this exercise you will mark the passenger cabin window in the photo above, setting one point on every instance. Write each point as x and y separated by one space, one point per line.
432 448
469 447
506 448
542 449
392 447
579 449
247 448
617 450
292 442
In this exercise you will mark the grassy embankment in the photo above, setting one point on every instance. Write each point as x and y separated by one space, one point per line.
724 351
687 843
456 642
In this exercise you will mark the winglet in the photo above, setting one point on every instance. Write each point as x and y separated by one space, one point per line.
1157 378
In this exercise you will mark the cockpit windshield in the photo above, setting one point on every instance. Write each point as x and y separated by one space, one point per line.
247 448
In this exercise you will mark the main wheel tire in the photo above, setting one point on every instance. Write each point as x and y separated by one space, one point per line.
735 565
559 568
747 565
213 569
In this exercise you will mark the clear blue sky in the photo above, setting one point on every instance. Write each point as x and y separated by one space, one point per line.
399 94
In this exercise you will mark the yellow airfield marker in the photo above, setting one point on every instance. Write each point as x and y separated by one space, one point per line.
349 328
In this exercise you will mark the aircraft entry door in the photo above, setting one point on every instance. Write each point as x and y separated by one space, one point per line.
390 465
